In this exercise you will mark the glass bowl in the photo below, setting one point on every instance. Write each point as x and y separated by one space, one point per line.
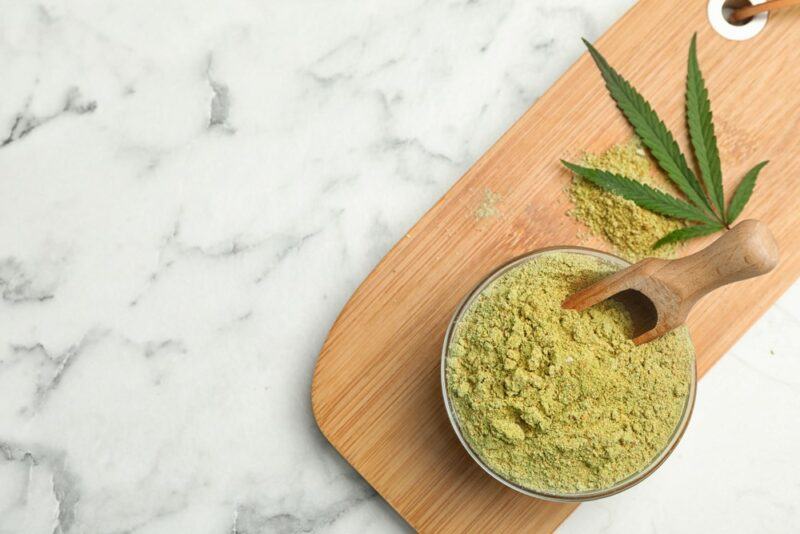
589 495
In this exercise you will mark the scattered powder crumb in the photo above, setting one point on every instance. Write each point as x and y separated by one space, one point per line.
488 207
631 230
583 237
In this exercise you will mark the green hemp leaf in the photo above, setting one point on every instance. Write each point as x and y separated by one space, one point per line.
704 202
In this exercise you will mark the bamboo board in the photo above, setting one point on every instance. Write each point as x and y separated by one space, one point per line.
376 393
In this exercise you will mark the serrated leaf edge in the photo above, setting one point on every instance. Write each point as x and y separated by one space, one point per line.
657 200
699 118
743 192
657 137
689 232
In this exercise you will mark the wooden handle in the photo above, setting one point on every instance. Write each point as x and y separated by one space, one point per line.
744 13
746 251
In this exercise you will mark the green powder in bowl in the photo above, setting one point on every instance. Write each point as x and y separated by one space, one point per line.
560 402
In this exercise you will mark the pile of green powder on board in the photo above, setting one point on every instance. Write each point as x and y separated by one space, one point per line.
558 400
630 229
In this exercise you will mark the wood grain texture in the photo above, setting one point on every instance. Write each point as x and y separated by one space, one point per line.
376 393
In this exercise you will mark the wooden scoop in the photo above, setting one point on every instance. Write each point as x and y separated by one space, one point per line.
659 293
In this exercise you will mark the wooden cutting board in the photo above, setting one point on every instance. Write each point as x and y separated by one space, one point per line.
376 392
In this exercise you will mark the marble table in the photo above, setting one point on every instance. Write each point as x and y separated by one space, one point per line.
189 192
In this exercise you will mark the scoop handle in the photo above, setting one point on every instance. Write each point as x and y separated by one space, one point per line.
745 251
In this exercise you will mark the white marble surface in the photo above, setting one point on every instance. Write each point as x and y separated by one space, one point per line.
189 191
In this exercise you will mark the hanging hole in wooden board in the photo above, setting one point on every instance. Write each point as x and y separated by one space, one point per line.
729 6
720 16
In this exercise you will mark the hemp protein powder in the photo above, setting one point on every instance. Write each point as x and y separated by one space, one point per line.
631 230
562 401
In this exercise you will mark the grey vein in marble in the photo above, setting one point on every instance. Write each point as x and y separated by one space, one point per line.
26 122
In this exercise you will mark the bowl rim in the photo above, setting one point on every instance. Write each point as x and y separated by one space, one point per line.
590 495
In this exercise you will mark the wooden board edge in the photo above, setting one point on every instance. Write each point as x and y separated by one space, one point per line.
324 431
316 387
